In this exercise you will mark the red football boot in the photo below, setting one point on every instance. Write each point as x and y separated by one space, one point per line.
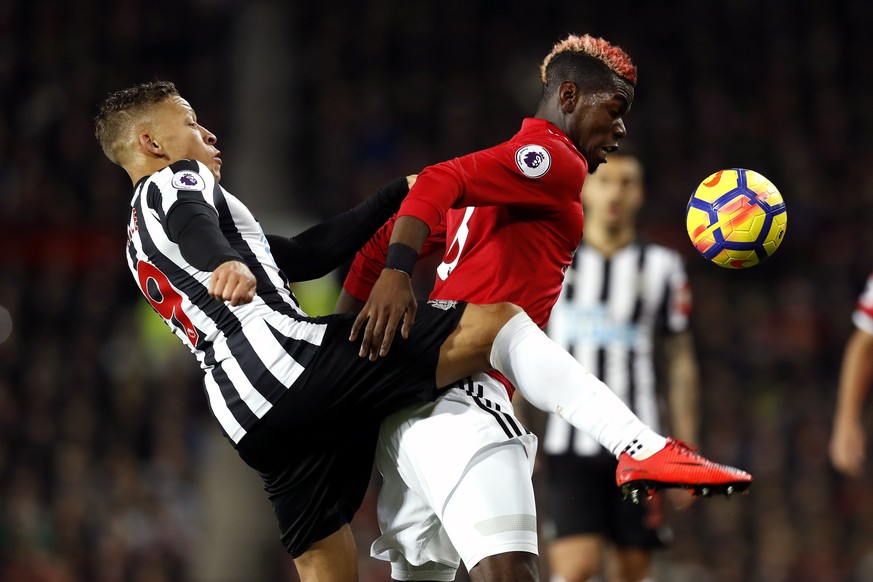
678 466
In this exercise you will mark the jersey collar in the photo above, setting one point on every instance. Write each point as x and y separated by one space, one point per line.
537 124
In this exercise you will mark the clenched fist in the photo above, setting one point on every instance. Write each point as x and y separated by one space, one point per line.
234 282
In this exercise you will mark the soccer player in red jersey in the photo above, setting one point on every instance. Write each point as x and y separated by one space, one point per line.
457 472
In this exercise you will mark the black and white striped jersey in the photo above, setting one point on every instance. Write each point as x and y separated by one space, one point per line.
250 353
608 315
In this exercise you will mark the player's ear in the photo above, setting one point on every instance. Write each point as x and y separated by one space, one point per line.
148 144
568 96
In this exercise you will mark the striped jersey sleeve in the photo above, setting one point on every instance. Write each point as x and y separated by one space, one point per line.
190 181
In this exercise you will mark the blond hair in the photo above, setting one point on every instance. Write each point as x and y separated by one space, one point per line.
116 122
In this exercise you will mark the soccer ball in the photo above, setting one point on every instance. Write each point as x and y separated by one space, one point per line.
736 218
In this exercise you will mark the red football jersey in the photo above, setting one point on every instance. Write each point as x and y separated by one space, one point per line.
510 217
513 219
370 259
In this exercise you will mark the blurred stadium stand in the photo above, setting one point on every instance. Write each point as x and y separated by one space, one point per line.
110 467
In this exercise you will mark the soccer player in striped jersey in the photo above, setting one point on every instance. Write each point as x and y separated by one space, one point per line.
457 472
295 395
290 392
621 296
848 440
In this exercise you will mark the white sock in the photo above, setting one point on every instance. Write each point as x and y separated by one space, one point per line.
553 381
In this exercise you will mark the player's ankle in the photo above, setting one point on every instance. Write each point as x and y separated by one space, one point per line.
644 445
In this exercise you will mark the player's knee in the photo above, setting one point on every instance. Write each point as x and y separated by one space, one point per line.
468 349
575 558
506 311
483 322
508 566
331 559
496 315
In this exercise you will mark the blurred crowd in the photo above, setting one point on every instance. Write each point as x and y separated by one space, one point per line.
103 423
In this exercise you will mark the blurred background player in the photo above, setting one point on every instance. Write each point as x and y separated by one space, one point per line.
848 439
621 297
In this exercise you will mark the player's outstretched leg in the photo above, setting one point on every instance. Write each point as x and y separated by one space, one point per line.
678 465
502 336
553 381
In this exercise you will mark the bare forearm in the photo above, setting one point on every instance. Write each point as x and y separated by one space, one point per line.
392 299
410 231
848 446
346 303
855 376
684 404
684 383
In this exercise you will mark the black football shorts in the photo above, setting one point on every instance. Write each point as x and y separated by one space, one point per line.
584 499
314 449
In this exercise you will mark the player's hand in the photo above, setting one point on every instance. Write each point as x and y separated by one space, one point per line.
391 300
233 281
848 447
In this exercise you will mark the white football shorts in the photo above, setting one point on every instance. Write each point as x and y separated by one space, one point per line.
456 483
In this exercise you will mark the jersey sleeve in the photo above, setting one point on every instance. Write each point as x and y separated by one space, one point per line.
370 260
863 314
678 297
195 228
185 204
182 182
498 176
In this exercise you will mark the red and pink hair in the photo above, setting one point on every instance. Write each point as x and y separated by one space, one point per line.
612 56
